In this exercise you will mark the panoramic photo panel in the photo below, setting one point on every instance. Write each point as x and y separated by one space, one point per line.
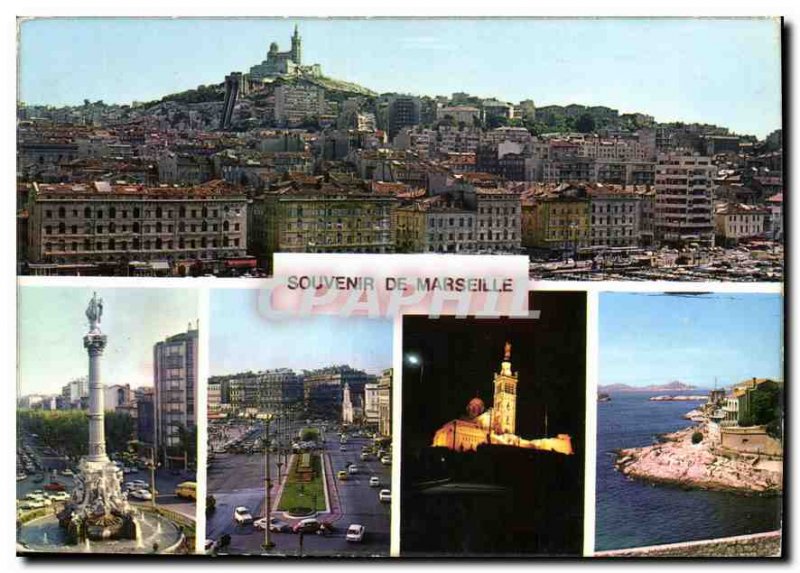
106 425
300 142
493 432
299 432
690 425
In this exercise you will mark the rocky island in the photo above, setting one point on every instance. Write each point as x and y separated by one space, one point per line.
678 461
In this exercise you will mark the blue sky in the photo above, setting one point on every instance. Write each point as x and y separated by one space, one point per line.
52 324
242 339
650 338
721 71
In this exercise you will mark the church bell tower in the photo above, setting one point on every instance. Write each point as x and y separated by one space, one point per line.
297 47
504 409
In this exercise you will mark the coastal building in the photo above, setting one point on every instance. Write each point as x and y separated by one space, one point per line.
557 219
318 216
434 225
82 229
498 218
175 381
614 217
734 222
684 203
497 423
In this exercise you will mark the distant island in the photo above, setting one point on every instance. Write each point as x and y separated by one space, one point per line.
678 398
674 387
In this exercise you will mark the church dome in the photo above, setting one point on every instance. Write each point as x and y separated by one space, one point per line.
273 47
475 407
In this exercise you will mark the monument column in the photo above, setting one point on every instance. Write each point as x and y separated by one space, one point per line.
95 342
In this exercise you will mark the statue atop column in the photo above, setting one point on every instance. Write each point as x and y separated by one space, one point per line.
94 313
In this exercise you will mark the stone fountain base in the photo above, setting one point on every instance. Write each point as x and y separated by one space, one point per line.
156 534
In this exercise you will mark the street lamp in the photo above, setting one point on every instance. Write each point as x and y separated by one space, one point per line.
268 544
416 361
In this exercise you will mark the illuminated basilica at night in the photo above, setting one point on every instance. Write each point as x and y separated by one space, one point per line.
497 424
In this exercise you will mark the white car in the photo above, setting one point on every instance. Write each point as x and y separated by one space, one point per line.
385 496
59 496
141 494
353 469
34 504
355 533
386 460
67 472
242 515
374 481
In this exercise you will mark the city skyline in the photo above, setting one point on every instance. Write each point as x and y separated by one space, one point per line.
654 338
241 339
720 71
52 324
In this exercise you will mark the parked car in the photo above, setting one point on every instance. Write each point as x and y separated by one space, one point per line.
54 486
385 496
67 472
33 504
374 481
59 496
141 494
355 533
386 460
242 515
308 525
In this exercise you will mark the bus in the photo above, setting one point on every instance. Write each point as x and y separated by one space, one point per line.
187 489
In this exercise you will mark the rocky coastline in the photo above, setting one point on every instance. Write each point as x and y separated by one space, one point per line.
675 460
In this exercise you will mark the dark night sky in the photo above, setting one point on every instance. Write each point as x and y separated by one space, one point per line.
461 355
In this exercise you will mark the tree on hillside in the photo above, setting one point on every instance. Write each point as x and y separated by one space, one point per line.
585 123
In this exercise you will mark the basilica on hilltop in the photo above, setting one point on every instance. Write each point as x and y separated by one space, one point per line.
281 64
496 424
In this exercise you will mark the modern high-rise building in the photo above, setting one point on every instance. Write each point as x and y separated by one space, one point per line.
175 381
404 111
145 415
684 199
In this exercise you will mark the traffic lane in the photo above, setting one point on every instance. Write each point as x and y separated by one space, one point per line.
221 521
231 472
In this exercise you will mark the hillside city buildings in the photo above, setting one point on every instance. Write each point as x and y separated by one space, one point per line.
282 158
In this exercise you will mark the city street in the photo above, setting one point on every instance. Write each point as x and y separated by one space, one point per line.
238 480
166 481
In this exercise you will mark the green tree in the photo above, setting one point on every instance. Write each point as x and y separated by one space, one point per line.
765 403
585 123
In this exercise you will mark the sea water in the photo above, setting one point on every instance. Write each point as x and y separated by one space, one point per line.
634 513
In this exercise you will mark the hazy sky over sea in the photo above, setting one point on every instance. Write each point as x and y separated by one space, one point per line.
723 71
52 323
242 338
652 338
